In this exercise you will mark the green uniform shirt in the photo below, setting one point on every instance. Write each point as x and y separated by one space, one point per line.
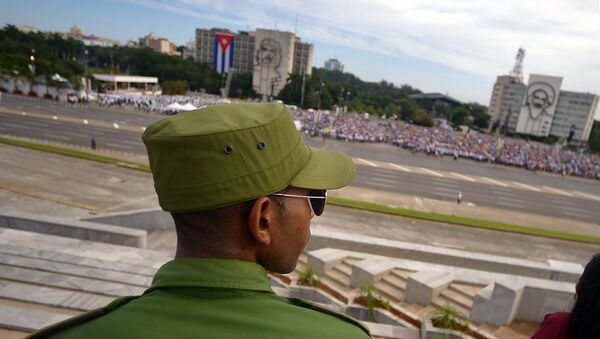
209 298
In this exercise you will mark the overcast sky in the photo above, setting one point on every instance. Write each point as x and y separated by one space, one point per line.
454 46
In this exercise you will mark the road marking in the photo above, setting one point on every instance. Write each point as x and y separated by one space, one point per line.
383 179
136 143
453 196
572 208
85 121
464 177
118 145
378 184
509 204
54 117
531 188
115 125
49 135
578 215
444 189
495 182
558 191
503 193
585 195
398 167
23 113
33 123
431 172
75 134
446 245
367 162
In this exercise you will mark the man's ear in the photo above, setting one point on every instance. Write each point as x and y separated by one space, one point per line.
261 220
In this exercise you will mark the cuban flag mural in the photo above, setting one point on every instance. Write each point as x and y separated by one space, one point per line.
223 52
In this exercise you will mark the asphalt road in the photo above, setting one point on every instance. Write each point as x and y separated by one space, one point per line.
53 185
380 167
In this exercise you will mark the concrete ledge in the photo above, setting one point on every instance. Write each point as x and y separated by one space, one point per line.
27 320
509 299
75 229
368 271
150 219
390 331
423 286
560 271
428 331
324 259
316 295
380 316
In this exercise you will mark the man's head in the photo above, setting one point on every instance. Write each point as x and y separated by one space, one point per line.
237 180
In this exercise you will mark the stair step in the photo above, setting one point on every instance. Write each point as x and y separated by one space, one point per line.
458 298
336 285
441 301
468 291
344 268
395 281
426 312
402 274
339 277
389 291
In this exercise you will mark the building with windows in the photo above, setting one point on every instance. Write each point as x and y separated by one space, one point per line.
574 110
159 44
269 55
89 40
541 108
334 65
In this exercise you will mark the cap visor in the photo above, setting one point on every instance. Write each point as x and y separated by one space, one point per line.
325 170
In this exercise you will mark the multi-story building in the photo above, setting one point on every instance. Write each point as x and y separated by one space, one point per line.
268 54
334 65
159 44
517 108
89 40
303 57
506 102
574 110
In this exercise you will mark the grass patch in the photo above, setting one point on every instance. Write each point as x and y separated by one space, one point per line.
451 219
75 153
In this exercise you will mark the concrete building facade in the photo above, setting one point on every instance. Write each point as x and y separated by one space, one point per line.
159 44
512 101
574 109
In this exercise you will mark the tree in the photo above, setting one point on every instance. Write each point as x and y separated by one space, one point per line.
423 119
458 115
481 119
408 109
175 87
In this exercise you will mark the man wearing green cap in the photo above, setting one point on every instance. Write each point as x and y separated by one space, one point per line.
242 188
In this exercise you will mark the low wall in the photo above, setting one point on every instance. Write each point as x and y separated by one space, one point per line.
75 229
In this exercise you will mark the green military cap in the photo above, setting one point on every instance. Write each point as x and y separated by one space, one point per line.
225 154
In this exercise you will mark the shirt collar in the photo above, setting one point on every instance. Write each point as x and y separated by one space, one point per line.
217 273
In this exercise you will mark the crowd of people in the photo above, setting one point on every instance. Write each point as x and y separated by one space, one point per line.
448 142
435 141
156 103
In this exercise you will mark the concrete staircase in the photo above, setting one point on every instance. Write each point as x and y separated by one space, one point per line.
45 278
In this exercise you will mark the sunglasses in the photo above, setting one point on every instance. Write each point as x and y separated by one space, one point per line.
317 199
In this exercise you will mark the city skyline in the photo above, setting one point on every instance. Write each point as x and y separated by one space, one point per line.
457 47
